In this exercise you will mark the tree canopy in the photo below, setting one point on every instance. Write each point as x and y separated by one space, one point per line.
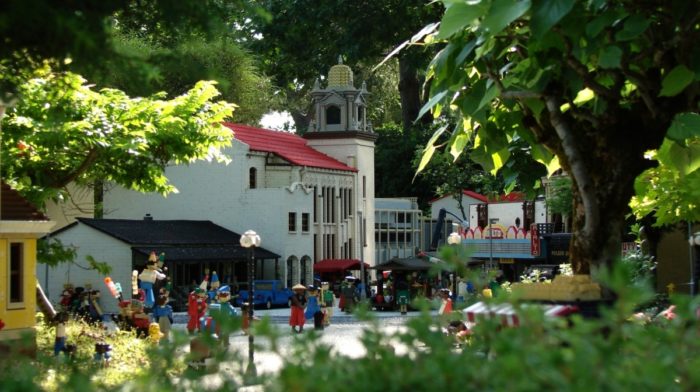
590 85
63 131
302 39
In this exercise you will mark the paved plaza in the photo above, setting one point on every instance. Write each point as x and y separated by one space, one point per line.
343 336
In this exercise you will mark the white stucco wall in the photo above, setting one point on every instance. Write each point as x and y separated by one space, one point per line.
507 212
220 193
103 248
357 153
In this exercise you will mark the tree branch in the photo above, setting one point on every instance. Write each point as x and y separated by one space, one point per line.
521 95
588 79
575 158
90 158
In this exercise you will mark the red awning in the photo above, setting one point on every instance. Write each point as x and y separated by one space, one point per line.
337 265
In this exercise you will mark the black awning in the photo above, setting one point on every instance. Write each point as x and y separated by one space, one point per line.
407 264
193 254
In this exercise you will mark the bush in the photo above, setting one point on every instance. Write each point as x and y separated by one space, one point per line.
613 352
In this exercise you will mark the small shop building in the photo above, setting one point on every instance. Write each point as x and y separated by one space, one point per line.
20 226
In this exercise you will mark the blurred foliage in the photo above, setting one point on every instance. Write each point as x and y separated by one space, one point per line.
613 352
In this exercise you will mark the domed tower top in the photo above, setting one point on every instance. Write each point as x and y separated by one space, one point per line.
340 75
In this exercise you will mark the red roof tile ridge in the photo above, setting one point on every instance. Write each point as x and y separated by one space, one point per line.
288 146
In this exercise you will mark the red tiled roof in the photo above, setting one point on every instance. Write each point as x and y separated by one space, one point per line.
513 196
14 207
472 194
287 146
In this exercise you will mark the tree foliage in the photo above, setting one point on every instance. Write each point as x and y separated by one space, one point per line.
588 85
670 191
63 131
83 32
177 66
300 40
559 198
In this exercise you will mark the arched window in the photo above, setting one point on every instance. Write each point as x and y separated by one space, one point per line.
305 267
332 115
253 178
290 268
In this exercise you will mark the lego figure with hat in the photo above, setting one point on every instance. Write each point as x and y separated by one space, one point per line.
313 310
296 319
328 303
446 306
60 342
148 277
221 309
347 294
139 319
66 297
163 315
196 308
214 285
94 310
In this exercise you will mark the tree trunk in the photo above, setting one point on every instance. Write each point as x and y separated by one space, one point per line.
603 162
410 93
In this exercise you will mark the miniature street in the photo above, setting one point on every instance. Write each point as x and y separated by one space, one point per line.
343 335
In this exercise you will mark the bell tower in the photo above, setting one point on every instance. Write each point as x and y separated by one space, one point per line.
339 128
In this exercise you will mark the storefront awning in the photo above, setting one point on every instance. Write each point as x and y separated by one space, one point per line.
337 265
407 264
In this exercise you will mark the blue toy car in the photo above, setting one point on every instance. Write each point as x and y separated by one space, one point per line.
268 293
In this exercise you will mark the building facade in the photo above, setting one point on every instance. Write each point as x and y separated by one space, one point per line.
309 198
20 226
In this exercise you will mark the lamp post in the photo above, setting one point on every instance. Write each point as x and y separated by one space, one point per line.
454 239
491 222
250 240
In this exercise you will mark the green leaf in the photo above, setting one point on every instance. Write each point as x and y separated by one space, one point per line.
434 100
606 19
610 57
684 159
460 139
584 96
676 80
633 27
430 149
503 13
458 16
547 13
684 126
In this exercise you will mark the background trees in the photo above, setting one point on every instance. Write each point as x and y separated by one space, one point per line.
593 84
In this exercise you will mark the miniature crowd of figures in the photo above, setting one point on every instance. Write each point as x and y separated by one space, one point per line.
82 303
311 303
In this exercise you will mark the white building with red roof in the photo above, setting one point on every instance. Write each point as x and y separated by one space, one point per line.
309 198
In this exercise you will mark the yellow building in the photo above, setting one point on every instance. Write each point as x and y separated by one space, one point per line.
20 226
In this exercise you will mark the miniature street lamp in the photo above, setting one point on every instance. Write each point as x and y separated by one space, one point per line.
491 222
250 240
454 239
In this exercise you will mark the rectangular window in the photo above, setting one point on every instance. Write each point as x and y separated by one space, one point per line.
364 187
292 222
16 273
315 206
334 203
305 222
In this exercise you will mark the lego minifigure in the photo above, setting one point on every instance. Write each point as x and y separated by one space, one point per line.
148 277
60 341
196 308
163 315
